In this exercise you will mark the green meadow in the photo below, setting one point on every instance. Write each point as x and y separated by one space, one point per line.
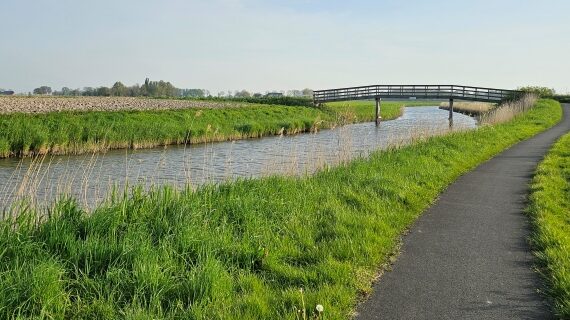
270 248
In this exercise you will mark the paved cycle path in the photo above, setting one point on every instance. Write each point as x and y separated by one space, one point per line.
468 257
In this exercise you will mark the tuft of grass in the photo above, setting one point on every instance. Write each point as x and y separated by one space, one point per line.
550 212
239 250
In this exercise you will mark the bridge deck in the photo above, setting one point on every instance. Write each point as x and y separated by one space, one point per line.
415 91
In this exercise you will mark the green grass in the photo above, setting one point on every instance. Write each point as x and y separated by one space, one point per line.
239 250
550 212
282 101
81 132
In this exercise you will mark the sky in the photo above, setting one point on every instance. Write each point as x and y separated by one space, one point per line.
270 45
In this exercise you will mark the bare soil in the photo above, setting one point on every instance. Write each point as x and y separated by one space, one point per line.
37 104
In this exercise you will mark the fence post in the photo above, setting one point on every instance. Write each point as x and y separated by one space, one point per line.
378 101
450 111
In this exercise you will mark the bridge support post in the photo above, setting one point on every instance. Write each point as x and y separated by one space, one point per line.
450 112
378 117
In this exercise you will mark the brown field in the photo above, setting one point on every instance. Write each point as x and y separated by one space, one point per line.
53 104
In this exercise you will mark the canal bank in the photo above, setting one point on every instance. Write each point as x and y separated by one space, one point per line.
89 178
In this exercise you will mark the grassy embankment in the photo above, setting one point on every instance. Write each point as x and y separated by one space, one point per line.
240 250
550 212
80 132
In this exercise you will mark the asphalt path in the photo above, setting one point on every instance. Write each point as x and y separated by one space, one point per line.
468 256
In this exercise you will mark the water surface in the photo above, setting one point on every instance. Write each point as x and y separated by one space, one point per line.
90 177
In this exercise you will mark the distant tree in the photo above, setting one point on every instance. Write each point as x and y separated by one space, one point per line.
242 94
195 93
294 93
103 92
307 92
88 91
149 88
543 92
119 90
145 88
42 90
257 95
134 91
65 91
166 89
221 94
158 89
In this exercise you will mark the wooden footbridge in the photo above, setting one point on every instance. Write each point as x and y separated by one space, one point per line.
411 92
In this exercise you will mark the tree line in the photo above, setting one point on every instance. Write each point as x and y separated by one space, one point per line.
147 89
163 89
4 92
545 92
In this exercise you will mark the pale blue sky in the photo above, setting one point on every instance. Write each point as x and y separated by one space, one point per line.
279 45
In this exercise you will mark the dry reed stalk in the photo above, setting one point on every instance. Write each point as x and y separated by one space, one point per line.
471 108
508 110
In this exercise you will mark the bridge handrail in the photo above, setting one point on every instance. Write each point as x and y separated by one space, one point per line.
415 91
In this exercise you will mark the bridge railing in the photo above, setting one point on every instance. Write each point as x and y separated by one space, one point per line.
415 91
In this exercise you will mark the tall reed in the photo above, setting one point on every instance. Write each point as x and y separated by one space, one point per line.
508 110
469 108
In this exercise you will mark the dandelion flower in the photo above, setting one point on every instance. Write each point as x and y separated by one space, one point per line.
320 308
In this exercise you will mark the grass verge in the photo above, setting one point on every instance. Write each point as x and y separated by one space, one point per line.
550 212
240 250
77 132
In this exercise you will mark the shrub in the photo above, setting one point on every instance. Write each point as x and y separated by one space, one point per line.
542 92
